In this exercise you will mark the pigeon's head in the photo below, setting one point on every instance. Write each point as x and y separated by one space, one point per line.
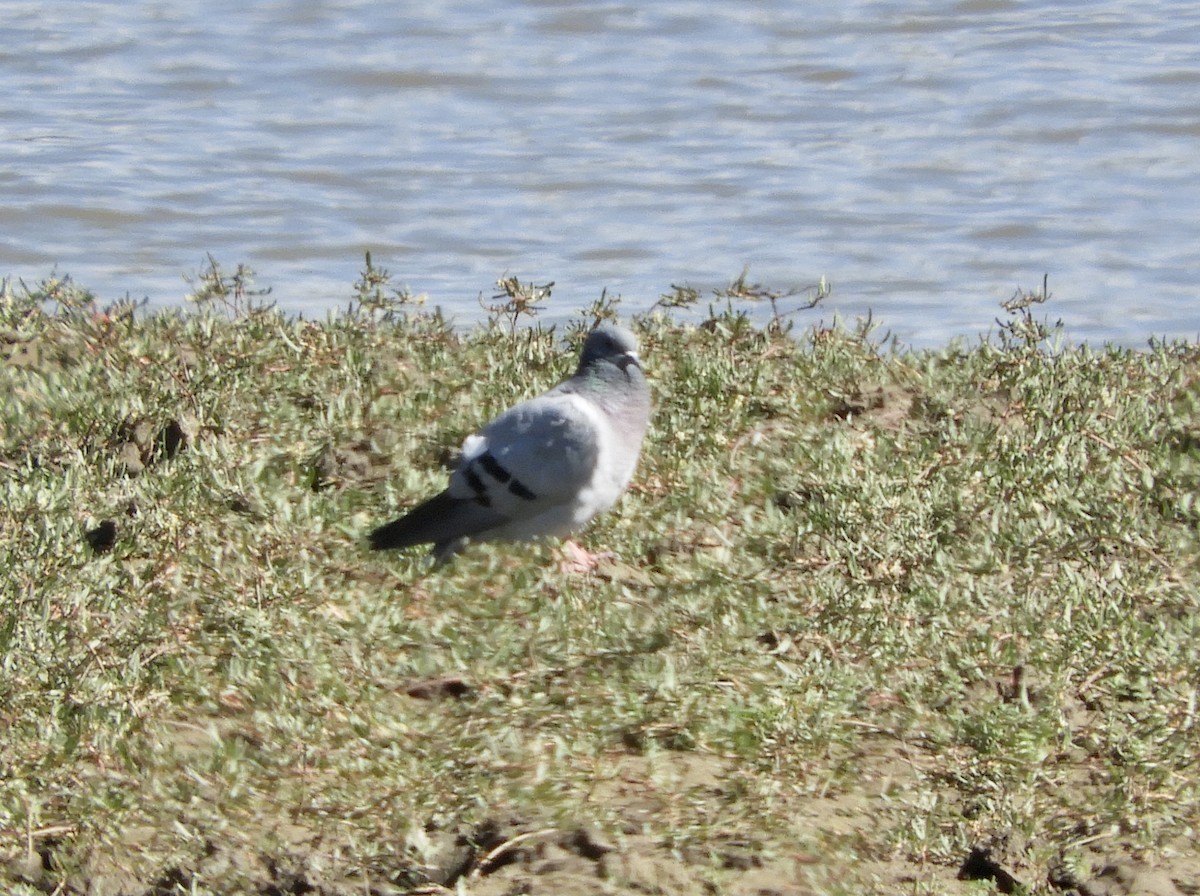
610 344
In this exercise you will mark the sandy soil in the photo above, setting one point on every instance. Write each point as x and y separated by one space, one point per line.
513 854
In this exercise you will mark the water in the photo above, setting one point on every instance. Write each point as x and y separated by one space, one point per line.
926 158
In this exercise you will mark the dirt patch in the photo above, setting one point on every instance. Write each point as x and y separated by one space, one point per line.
637 832
1129 877
139 443
886 406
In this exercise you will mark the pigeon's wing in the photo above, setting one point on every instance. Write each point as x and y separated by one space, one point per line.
536 457
528 473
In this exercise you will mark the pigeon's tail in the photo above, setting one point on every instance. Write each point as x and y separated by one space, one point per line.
396 534
441 521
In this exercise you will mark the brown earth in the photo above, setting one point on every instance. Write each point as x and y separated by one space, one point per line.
834 846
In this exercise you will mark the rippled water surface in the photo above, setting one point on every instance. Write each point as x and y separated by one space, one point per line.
926 158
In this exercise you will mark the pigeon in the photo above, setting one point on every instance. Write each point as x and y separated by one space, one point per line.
545 467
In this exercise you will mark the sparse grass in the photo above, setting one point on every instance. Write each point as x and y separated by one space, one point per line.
873 609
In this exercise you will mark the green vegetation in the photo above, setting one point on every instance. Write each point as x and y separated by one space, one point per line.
871 612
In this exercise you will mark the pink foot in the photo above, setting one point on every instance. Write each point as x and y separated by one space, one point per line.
578 561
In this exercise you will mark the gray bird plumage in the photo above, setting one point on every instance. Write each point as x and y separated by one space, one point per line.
545 467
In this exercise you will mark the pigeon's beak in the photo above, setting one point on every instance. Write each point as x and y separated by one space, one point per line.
630 358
